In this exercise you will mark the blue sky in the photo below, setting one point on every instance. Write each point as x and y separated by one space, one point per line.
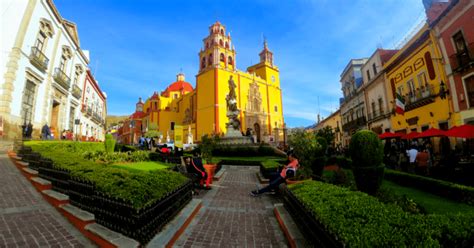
138 47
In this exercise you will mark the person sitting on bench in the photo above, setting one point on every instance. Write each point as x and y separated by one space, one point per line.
198 169
278 178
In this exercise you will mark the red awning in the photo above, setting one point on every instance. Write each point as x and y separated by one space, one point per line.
411 135
389 135
463 131
432 132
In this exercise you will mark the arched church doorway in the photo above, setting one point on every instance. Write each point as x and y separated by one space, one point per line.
256 128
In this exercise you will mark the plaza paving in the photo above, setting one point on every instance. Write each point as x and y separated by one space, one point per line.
231 218
26 219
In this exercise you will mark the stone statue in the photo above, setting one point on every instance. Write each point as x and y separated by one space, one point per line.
233 126
190 136
167 137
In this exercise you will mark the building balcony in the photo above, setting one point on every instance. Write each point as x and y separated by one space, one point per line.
76 91
38 59
376 115
354 124
464 60
419 98
61 78
97 118
89 111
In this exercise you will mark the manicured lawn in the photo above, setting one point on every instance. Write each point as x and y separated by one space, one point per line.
432 203
145 166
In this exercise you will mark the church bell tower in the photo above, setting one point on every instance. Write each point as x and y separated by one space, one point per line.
217 51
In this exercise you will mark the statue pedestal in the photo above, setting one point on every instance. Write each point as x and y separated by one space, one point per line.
234 137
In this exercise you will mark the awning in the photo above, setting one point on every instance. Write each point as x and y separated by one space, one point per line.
411 135
463 131
432 132
389 135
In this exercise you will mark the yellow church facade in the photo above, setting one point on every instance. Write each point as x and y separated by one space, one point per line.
203 109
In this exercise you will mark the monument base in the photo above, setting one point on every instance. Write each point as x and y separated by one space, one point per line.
242 140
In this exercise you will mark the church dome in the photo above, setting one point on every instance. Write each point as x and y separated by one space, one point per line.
179 85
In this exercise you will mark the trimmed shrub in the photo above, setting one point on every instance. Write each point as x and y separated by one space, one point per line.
109 143
366 151
359 220
344 162
457 192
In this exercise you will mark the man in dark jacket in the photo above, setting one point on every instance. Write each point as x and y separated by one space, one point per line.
198 169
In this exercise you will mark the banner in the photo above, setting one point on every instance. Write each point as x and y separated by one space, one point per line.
178 136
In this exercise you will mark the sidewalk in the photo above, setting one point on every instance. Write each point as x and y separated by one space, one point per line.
26 219
230 217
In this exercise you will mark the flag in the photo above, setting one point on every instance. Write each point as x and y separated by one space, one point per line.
400 105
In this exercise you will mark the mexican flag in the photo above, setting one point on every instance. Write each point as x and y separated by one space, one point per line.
400 105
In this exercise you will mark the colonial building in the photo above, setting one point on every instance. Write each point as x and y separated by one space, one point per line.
376 91
455 28
353 115
94 110
333 121
203 109
416 74
43 69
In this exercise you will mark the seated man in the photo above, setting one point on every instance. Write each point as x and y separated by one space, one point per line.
279 178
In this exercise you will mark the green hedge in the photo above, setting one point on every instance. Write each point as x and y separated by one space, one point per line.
450 190
360 220
138 187
243 151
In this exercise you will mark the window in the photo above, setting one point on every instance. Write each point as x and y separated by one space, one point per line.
381 105
28 101
40 42
209 61
72 110
156 105
227 45
422 80
230 60
221 43
470 90
222 57
222 31
175 96
203 63
400 90
63 63
459 43
373 108
411 86
374 68
368 75
276 108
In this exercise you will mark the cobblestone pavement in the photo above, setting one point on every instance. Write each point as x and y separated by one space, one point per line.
26 219
230 217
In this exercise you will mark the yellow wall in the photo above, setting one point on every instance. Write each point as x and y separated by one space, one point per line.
430 114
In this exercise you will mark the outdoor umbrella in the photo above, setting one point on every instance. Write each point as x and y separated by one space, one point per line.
389 135
463 131
411 135
432 132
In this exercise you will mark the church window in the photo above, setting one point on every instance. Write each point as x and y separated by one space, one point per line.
222 31
221 43
230 60
209 61
207 45
222 57
203 63
276 108
175 96
156 105
226 44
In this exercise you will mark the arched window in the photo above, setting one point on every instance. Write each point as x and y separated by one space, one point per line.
207 44
222 57
226 44
209 61
221 43
222 31
230 61
203 63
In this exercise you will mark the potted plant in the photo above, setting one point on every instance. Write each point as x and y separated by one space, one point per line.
207 145
366 151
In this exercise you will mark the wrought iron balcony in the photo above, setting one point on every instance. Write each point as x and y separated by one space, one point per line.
38 59
76 91
354 124
89 111
463 60
96 118
376 115
420 98
61 78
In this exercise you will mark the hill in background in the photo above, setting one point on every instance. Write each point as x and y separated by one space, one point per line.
114 119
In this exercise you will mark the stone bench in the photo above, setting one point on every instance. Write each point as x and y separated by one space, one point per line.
105 237
41 184
77 216
55 198
29 173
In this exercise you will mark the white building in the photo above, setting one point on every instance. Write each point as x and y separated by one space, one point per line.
94 110
43 68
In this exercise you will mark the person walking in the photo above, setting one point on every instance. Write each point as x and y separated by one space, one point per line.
45 132
411 158
279 178
422 159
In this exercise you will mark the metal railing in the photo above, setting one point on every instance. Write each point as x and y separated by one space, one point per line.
61 78
76 91
38 59
460 61
354 124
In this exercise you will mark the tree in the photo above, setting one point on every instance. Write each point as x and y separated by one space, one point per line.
327 133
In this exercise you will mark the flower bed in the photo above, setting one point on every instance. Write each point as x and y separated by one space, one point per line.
336 216
135 203
446 189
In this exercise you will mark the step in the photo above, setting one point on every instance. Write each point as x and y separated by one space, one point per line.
262 179
105 237
41 184
289 227
22 163
77 216
219 174
29 173
16 157
55 198
173 230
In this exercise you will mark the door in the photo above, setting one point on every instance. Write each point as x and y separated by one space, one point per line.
256 127
54 119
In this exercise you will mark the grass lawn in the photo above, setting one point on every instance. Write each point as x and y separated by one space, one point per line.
145 166
432 203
